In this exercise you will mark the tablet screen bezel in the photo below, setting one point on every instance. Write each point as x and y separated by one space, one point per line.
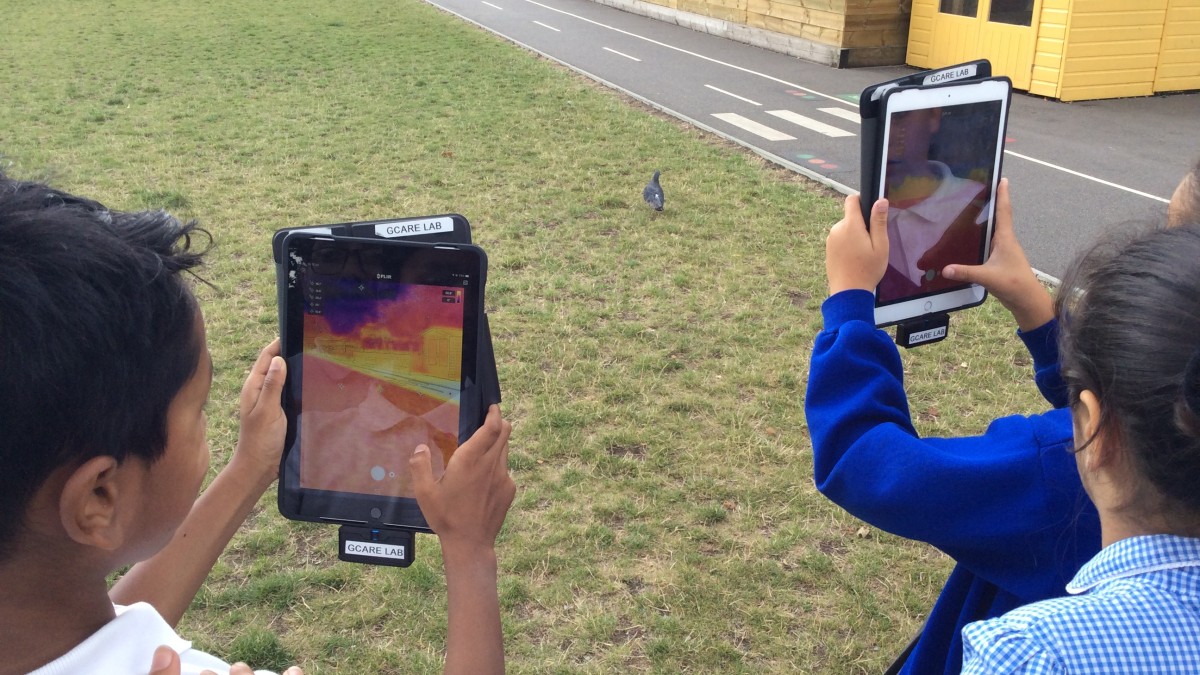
401 262
903 99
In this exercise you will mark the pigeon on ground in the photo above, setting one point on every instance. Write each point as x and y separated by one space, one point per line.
653 193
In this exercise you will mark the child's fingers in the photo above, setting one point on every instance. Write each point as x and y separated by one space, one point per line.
165 662
879 230
258 371
421 471
272 386
1004 213
501 441
484 437
851 208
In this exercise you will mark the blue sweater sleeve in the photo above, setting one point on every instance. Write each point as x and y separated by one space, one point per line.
1042 343
998 503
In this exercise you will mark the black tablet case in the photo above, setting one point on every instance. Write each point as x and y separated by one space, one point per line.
486 390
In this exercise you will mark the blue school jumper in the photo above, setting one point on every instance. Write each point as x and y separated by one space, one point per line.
1007 505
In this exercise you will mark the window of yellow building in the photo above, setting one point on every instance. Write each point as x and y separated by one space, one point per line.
960 7
1015 12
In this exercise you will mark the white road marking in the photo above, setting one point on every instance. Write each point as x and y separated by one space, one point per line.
848 115
689 53
632 58
491 5
548 26
1091 178
810 124
733 95
753 127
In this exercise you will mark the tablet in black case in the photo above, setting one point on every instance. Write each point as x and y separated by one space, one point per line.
383 343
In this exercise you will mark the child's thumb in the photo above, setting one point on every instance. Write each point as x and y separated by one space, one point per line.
972 274
165 662
276 374
421 470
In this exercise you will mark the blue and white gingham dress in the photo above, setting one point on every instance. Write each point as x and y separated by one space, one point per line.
1134 608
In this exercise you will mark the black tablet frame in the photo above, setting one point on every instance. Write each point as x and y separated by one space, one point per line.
399 259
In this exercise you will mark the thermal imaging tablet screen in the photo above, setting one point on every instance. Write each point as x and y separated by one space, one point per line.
380 339
941 152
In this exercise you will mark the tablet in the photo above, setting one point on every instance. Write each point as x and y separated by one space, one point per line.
381 341
940 154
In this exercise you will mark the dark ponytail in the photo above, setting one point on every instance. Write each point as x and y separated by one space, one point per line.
1131 335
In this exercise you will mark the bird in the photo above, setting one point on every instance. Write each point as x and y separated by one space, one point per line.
653 193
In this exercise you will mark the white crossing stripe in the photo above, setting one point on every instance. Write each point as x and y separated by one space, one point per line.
727 93
634 58
491 5
848 115
810 123
753 127
543 25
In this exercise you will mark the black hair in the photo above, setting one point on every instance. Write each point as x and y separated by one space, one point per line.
97 335
1132 336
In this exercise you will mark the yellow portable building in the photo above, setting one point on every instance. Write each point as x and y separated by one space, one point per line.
1066 49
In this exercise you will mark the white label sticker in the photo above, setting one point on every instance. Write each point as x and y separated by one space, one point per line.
374 549
927 335
951 74
412 228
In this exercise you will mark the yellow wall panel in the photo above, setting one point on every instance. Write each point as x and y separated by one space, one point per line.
1179 55
1116 6
1122 20
1127 48
1143 63
795 12
920 33
1112 34
1103 91
1095 78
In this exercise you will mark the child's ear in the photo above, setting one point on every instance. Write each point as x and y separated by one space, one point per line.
1086 417
88 505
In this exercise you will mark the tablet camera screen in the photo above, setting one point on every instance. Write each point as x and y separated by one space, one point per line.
940 169
382 367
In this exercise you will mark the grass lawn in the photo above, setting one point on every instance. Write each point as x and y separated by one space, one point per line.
653 364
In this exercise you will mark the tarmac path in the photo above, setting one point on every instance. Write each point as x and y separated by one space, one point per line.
1076 169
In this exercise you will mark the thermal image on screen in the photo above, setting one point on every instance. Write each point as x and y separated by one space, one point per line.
382 364
938 185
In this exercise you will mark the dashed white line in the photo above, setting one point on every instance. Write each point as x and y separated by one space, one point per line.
740 98
753 127
631 58
490 4
691 53
810 124
848 115
543 25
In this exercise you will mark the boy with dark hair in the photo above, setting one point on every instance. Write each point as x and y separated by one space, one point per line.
104 375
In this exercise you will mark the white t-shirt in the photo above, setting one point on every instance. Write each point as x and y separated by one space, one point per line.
125 646
914 230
